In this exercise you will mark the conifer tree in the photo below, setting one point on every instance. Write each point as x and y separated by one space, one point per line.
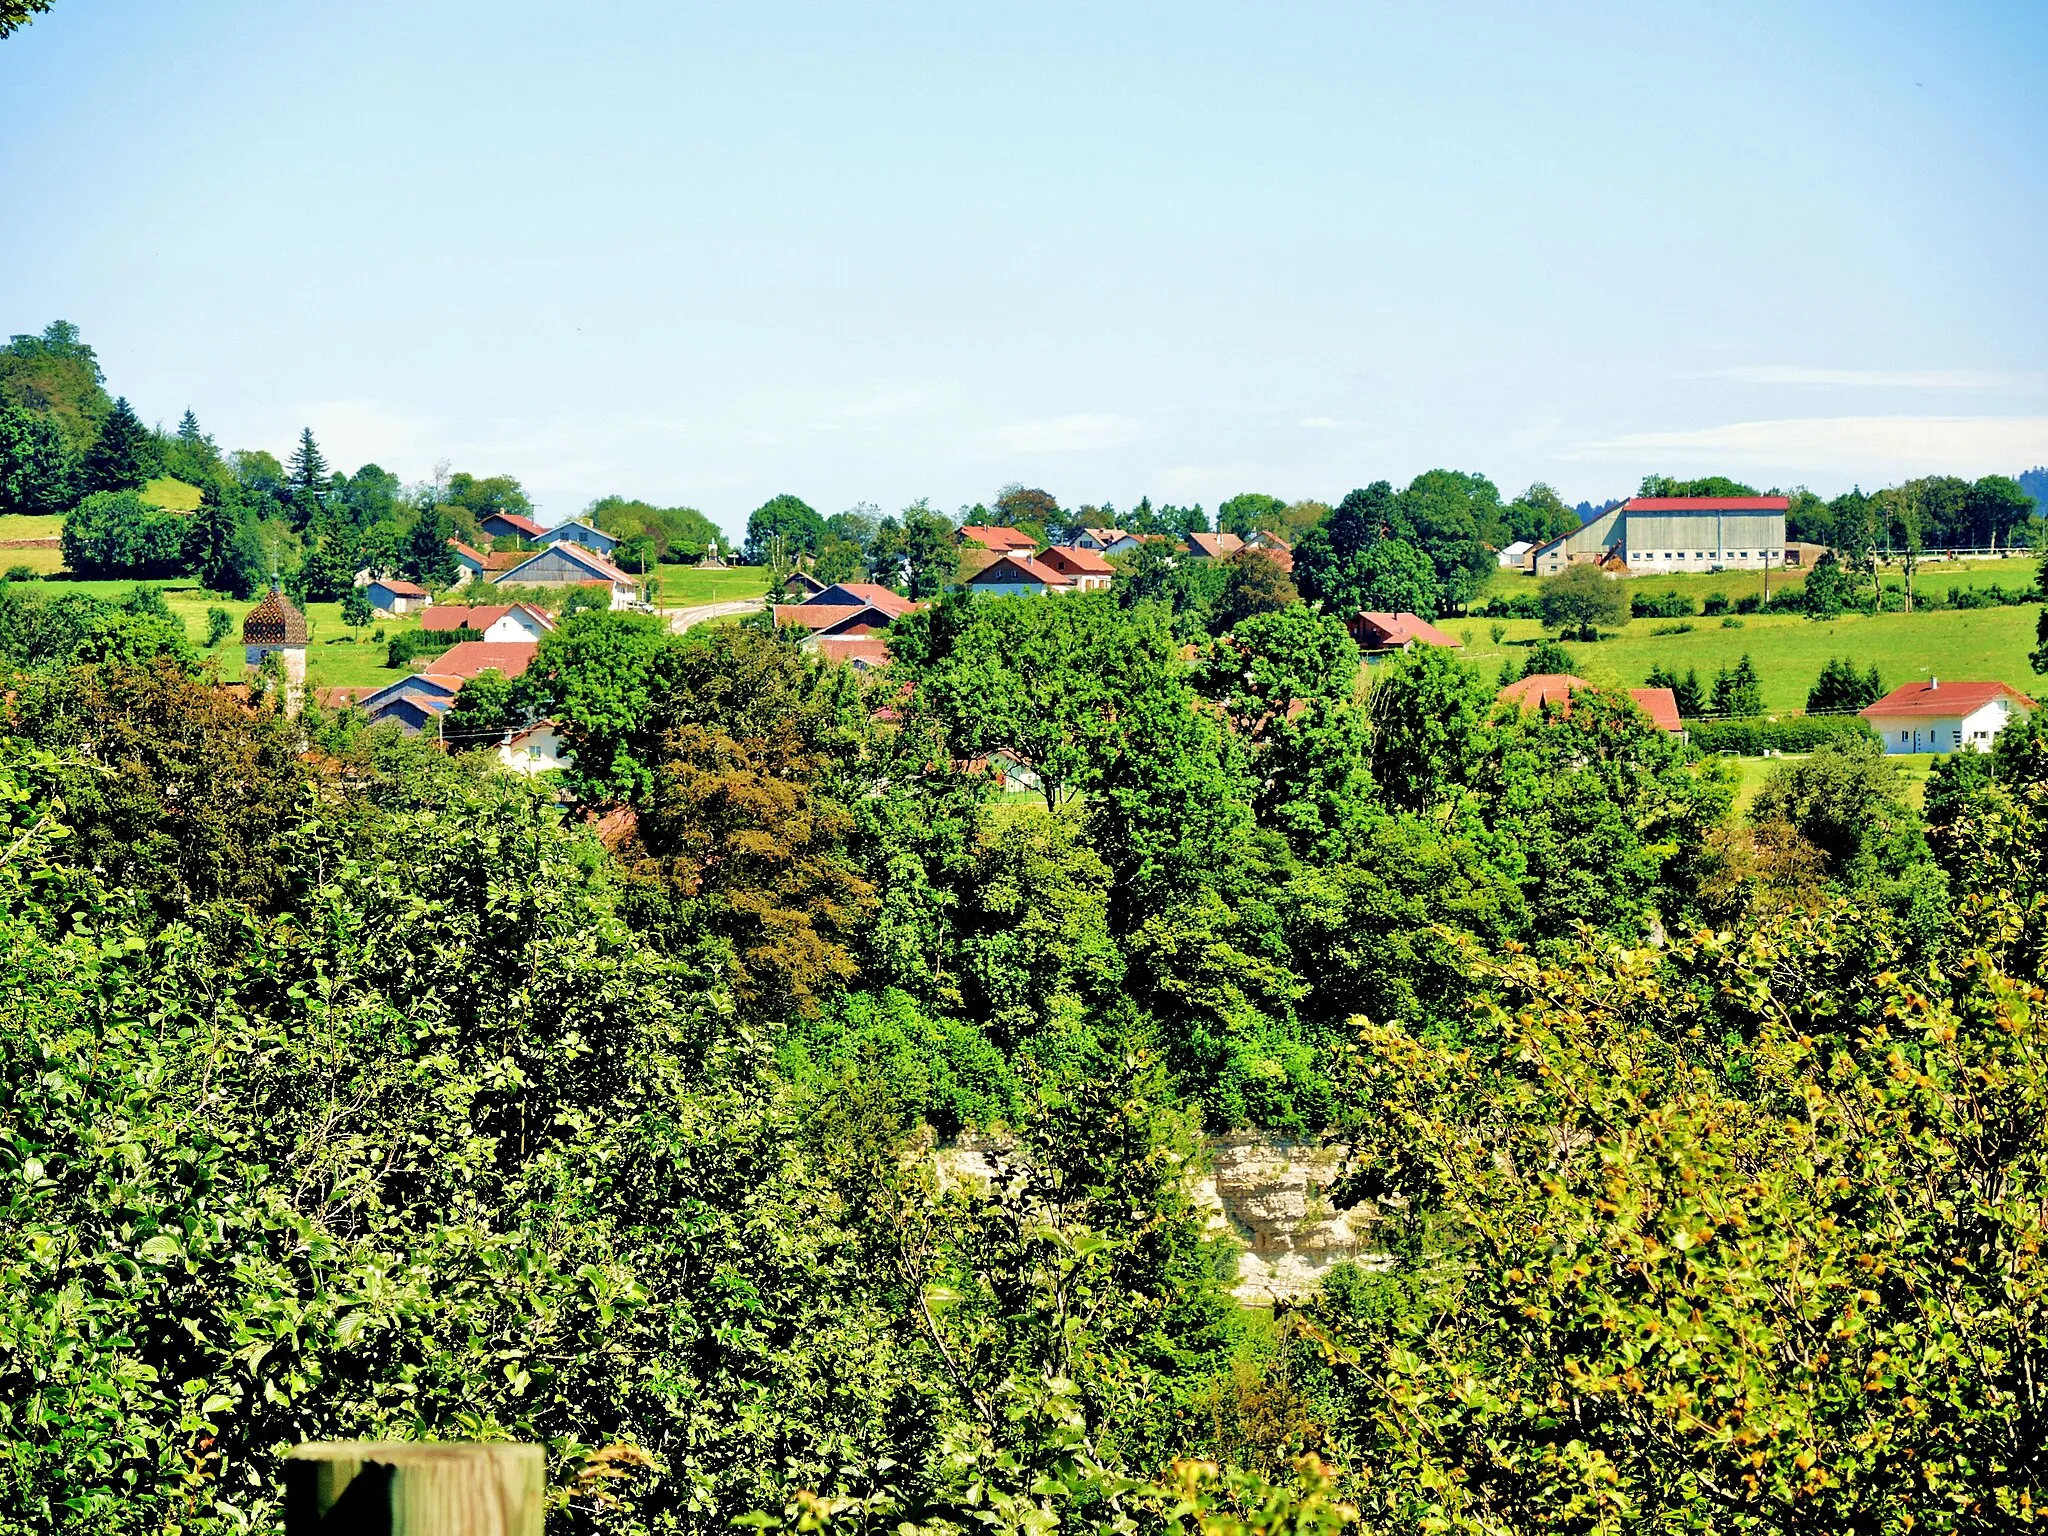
120 458
220 546
308 468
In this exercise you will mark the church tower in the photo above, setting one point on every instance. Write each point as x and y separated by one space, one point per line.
276 627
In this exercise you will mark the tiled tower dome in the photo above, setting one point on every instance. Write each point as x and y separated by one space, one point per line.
274 621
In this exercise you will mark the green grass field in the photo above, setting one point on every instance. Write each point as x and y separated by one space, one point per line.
1977 644
172 495
685 586
46 560
2014 571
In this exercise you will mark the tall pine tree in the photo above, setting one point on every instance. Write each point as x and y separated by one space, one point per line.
36 473
122 456
308 468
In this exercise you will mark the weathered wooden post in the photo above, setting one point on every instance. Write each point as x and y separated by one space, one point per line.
413 1488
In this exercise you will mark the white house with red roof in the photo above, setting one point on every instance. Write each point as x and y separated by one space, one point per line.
1944 717
1086 568
1661 534
520 622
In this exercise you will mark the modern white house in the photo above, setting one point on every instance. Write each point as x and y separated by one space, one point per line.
1515 556
1944 717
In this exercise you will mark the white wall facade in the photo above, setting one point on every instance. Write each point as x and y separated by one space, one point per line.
1972 732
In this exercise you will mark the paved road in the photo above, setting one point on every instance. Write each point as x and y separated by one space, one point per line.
680 619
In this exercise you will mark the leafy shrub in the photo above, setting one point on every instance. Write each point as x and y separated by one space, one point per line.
1715 605
1731 622
409 644
20 573
1672 629
218 622
1662 605
1790 733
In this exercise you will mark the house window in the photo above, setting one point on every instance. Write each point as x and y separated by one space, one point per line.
1958 736
1902 738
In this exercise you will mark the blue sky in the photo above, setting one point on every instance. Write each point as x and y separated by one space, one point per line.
881 251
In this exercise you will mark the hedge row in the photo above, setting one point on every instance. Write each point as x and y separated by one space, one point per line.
1792 733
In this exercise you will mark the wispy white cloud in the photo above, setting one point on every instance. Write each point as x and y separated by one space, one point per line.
1063 434
1863 378
1956 444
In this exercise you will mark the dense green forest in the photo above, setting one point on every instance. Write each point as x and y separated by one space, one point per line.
355 1089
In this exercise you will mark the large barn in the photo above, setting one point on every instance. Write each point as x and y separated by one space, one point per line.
1652 534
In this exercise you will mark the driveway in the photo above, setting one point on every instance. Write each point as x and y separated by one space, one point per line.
680 619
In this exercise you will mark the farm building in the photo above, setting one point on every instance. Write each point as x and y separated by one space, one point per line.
568 564
395 596
1661 534
581 533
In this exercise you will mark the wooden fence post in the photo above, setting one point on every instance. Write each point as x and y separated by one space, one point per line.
413 1488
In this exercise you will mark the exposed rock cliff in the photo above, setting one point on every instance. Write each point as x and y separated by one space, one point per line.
1270 1194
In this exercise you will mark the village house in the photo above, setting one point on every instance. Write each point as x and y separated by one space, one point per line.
1554 690
846 608
1086 568
863 653
1380 635
478 564
1944 717
511 525
1104 541
801 586
417 702
1515 557
520 622
569 564
1001 541
536 748
1275 548
394 596
1213 546
1662 534
579 532
1019 576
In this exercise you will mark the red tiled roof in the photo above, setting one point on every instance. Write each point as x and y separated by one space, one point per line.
454 616
401 588
817 615
1934 697
863 650
1544 688
526 527
1012 569
1397 629
1661 705
1104 535
510 657
492 559
1214 546
895 604
999 539
1076 561
1707 504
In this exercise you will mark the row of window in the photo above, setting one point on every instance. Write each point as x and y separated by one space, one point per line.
1667 554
